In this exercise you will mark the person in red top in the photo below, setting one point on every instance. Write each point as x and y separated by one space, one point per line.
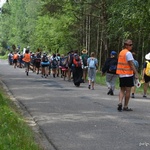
126 70
27 59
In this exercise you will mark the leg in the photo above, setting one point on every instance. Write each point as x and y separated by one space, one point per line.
127 96
92 85
121 94
121 97
145 89
133 91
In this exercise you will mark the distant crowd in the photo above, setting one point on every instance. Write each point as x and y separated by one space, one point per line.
69 67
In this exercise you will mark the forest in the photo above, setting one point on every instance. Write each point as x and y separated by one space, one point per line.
58 26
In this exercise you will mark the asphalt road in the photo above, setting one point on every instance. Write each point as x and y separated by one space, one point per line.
71 118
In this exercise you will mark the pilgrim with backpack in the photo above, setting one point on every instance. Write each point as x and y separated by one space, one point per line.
77 70
54 65
92 63
84 57
109 68
45 65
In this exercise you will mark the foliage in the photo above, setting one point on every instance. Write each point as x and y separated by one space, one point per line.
60 26
14 133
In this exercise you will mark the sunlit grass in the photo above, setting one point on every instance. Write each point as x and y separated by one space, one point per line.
15 134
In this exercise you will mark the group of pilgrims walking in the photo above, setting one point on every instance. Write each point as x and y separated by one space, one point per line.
70 67
82 68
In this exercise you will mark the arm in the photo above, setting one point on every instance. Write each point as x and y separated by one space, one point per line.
105 67
144 69
143 72
96 64
81 62
133 68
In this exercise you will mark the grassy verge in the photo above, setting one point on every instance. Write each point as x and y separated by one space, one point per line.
15 134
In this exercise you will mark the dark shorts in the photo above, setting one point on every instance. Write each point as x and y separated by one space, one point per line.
146 78
37 64
15 61
126 81
27 64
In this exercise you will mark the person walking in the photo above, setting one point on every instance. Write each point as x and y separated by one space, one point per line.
27 59
126 70
84 58
109 68
70 64
136 64
77 70
146 74
54 65
37 62
92 63
44 65
15 59
10 58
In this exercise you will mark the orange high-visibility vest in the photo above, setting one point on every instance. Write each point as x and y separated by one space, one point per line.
123 66
15 56
26 58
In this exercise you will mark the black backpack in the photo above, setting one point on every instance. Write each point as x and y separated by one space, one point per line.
70 59
54 63
44 59
63 62
112 65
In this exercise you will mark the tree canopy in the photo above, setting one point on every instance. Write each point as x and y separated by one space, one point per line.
58 26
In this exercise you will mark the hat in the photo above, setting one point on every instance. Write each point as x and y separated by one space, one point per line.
113 53
84 51
147 56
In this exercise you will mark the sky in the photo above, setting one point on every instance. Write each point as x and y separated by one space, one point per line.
2 2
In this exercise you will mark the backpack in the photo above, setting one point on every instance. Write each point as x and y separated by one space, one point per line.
54 63
77 61
147 71
38 58
84 59
136 64
45 59
92 63
63 62
70 60
112 66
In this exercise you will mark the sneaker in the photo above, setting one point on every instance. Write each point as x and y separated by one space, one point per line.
109 92
132 96
119 107
144 96
127 109
89 87
27 73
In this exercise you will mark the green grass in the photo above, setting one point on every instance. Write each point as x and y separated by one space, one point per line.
15 134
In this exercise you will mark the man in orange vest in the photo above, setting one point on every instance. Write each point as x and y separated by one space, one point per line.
126 70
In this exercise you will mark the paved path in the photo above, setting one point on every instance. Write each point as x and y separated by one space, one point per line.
71 118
